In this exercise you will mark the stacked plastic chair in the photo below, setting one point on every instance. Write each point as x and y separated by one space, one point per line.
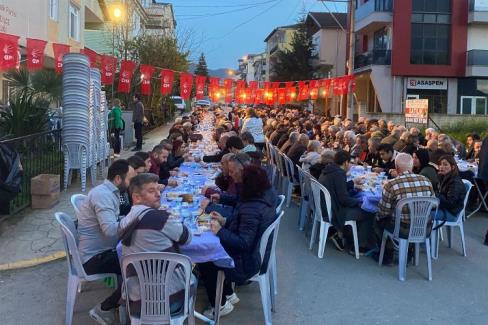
84 119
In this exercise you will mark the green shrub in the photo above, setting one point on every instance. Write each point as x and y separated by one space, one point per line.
460 130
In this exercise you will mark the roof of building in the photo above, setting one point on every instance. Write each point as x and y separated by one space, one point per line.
294 26
336 20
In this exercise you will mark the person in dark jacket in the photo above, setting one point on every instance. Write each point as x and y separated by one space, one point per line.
240 235
451 190
276 135
297 150
387 161
422 166
344 206
138 119
223 150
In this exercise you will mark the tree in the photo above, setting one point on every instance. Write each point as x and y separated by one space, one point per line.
296 63
201 69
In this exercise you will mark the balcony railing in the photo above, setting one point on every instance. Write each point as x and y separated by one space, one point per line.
375 57
373 6
478 57
477 5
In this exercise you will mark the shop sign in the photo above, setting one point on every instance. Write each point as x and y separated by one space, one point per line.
417 111
427 83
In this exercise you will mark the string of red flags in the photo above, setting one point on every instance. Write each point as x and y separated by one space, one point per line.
218 89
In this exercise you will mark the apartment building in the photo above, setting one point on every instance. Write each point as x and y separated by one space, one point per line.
279 39
252 67
56 21
422 49
328 32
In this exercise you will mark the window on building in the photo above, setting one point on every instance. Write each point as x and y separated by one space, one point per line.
74 22
380 41
473 105
431 28
53 9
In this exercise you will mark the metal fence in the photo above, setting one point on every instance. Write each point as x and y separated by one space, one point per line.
40 153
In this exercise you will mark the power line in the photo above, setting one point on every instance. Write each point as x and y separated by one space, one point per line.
223 6
211 15
334 16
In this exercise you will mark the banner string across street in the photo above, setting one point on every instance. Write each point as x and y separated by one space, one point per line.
269 93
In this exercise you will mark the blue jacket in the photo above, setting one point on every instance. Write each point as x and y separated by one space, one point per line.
242 234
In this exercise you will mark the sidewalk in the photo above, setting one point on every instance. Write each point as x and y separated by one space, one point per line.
32 237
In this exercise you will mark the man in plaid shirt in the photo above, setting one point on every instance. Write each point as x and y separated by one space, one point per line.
405 185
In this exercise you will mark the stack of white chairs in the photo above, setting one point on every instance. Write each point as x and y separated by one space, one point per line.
85 120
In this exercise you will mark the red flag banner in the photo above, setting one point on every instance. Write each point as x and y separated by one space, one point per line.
313 87
326 87
9 45
281 96
266 84
259 98
92 56
127 68
200 86
59 51
186 83
146 76
291 92
302 90
109 65
275 84
214 90
167 79
240 84
253 84
35 54
228 90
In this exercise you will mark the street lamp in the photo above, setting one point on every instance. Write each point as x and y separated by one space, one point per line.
116 11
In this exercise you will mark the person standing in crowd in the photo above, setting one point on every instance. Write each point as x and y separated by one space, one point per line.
98 222
116 124
470 140
138 120
254 124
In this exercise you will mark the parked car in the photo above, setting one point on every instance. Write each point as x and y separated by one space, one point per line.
179 103
203 103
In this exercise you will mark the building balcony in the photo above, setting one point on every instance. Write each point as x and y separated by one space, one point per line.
373 15
478 12
477 63
375 57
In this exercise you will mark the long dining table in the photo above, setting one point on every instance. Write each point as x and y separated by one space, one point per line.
182 202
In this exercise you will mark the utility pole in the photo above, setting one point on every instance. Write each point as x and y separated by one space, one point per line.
350 63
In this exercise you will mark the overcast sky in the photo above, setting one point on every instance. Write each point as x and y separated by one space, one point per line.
227 30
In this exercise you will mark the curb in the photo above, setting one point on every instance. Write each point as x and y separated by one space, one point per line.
32 262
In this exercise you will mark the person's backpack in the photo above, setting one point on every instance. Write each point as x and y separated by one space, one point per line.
10 173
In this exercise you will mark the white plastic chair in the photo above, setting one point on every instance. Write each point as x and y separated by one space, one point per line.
76 201
420 209
290 176
263 278
304 180
273 271
316 189
76 272
459 223
154 271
